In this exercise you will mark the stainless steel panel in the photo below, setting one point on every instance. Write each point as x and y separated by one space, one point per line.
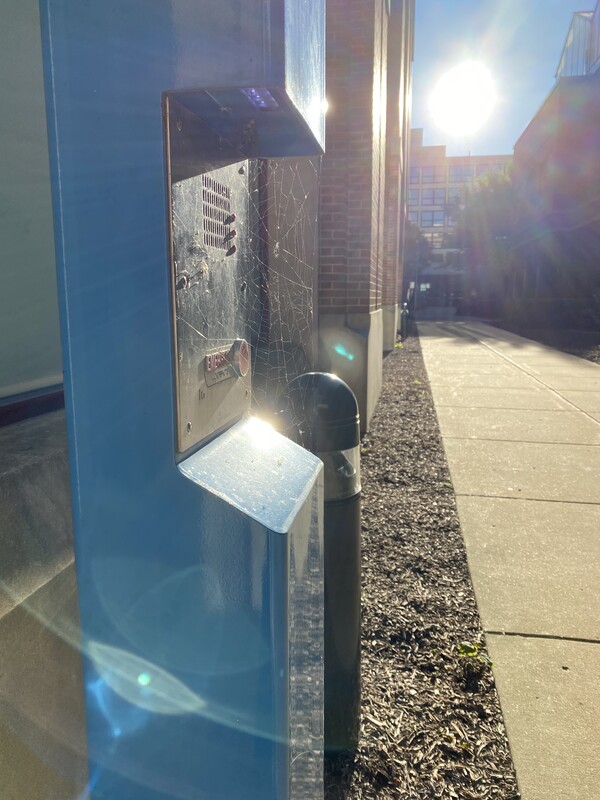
305 61
262 82
214 286
278 487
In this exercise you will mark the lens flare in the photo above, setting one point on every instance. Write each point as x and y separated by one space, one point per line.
142 684
341 351
463 99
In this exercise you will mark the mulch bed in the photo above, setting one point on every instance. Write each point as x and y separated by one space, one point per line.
431 724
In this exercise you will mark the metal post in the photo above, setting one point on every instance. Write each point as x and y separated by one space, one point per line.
324 419
404 321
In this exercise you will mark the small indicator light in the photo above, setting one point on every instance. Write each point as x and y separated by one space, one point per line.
261 98
231 235
229 220
231 251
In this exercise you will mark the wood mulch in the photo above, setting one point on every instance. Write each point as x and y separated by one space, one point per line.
431 725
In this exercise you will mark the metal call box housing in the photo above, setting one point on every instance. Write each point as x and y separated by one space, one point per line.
214 286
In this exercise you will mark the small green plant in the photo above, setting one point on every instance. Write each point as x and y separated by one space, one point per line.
474 651
475 663
398 345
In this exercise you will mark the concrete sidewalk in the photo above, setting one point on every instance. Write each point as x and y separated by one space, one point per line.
521 430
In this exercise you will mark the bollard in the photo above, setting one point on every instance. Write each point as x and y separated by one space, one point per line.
404 321
325 420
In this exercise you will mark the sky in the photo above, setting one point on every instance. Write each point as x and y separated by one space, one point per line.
520 42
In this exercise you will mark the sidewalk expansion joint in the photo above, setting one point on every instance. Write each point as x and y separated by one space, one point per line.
527 499
517 441
542 636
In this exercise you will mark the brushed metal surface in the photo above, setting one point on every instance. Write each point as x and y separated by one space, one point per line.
214 288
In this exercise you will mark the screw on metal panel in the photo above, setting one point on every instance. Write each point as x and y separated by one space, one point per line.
178 123
242 170
246 393
244 286
188 427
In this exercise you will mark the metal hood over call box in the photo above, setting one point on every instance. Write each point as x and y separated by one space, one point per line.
263 77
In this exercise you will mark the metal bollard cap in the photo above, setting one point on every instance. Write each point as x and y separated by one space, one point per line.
322 413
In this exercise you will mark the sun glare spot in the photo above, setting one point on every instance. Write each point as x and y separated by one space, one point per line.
262 434
341 350
463 99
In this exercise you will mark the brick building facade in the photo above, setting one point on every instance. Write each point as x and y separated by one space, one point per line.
437 184
557 173
369 56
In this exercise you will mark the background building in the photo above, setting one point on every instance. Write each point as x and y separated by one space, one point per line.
557 174
437 184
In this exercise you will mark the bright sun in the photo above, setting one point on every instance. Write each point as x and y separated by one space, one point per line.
463 99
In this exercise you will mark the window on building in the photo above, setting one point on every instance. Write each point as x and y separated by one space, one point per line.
454 196
427 174
414 175
433 197
432 219
460 173
435 240
413 216
435 174
413 197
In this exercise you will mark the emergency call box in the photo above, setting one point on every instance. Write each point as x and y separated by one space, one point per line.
214 276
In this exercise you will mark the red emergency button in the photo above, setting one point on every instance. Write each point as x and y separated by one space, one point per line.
240 357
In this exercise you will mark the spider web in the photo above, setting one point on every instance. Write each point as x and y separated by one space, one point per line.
288 248
288 234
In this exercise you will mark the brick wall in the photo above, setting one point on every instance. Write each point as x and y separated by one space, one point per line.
353 173
361 199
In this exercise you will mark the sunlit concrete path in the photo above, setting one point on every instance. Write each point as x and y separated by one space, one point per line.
521 429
